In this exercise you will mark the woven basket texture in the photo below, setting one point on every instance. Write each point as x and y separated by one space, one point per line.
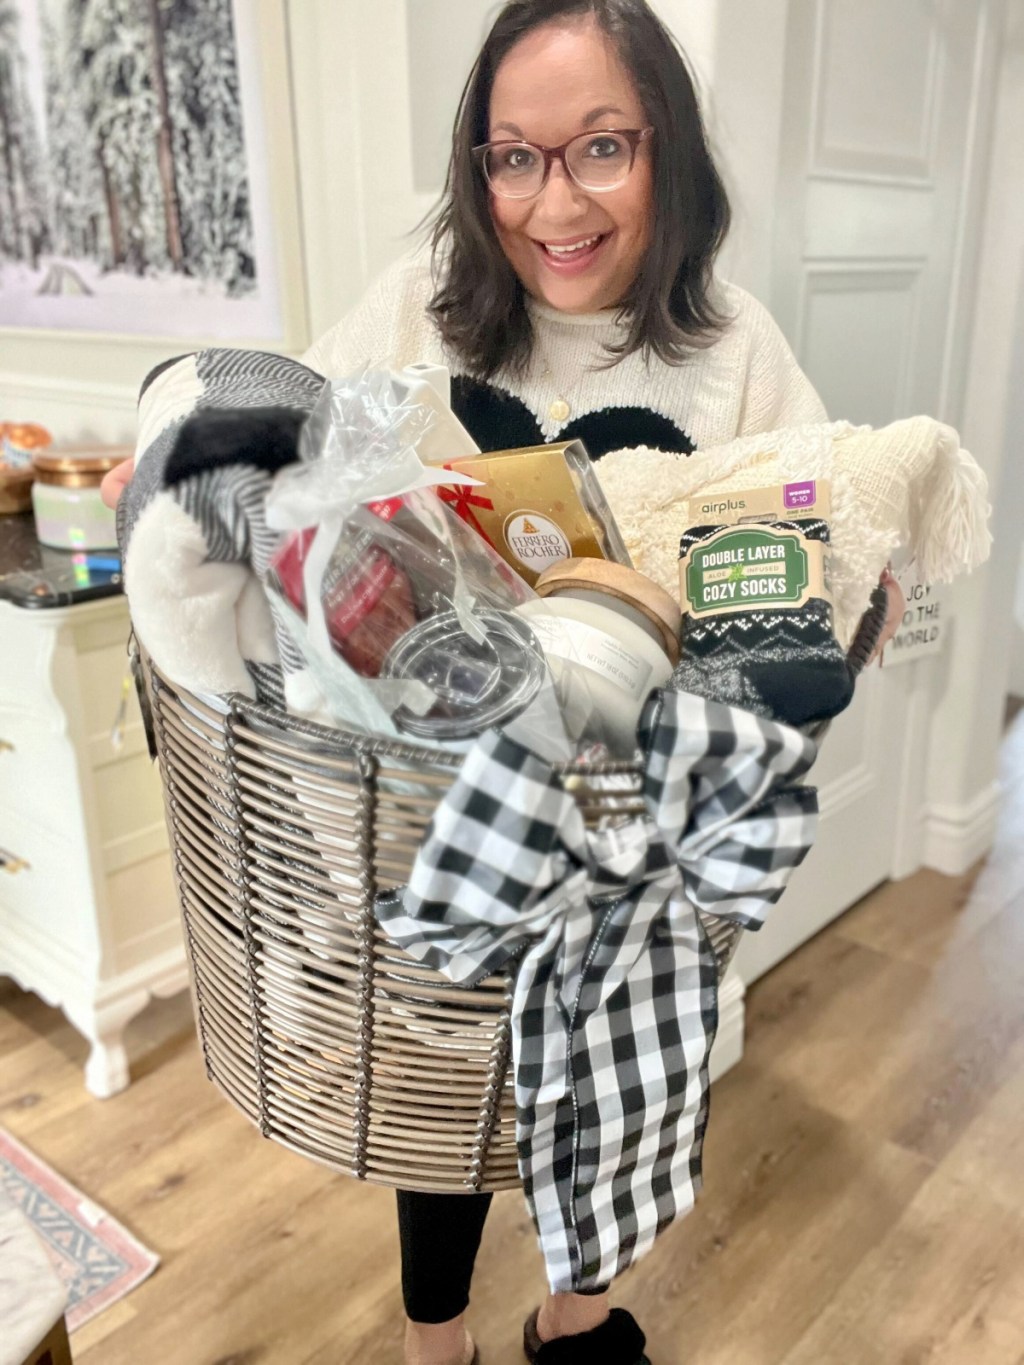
331 1039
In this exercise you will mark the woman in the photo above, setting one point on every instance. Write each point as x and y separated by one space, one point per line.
571 294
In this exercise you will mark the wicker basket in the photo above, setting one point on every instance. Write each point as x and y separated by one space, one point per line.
330 1038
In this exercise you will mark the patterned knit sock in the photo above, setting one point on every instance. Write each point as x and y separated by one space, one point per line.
783 663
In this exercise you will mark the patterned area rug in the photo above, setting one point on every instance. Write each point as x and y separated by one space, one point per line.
98 1261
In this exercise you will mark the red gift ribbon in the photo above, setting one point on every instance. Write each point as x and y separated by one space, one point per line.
462 498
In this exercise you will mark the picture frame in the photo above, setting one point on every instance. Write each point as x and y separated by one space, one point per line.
102 361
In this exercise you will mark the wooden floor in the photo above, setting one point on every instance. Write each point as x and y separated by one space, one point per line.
864 1200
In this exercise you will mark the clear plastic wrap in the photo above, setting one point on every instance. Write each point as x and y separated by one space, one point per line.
404 617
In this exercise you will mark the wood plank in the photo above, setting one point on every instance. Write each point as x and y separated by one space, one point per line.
864 1171
878 1040
946 1286
924 918
990 1154
794 1198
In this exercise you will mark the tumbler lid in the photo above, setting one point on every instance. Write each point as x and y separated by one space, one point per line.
477 684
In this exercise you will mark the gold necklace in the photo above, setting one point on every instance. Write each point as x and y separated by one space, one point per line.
559 409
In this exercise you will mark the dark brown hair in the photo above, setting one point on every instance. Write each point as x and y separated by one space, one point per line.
478 304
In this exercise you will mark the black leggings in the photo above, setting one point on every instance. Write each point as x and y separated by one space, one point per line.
440 1236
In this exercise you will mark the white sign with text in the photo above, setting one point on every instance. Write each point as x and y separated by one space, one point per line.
925 623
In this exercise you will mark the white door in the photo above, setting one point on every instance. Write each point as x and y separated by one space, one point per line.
883 124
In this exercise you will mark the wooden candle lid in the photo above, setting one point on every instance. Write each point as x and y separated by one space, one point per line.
615 580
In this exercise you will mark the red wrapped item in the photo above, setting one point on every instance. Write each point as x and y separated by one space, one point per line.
367 599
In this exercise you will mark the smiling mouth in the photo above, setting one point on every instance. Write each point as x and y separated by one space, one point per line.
571 253
573 248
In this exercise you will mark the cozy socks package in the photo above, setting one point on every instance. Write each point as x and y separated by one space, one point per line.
757 632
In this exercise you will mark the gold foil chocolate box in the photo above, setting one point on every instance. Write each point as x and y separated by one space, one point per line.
537 506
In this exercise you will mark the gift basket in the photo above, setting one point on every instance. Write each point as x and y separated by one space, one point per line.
406 635
335 1042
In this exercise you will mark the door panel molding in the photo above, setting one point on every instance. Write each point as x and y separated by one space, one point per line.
845 791
918 160
854 219
901 179
869 348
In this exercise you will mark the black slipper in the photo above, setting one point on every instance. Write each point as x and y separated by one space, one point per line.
619 1341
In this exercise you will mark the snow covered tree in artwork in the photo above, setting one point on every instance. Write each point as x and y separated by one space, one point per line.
77 204
24 216
165 112
129 162
122 112
209 143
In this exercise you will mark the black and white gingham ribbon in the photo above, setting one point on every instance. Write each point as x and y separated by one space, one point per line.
615 1003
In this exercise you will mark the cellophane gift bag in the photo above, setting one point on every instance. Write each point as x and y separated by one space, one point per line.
403 616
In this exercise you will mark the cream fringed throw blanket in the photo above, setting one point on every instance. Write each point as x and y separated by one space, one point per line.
906 485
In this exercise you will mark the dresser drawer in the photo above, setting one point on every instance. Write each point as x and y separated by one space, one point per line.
38 779
51 887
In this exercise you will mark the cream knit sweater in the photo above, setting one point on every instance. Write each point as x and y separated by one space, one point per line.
746 382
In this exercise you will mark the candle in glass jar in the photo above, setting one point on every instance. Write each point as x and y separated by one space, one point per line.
610 636
70 513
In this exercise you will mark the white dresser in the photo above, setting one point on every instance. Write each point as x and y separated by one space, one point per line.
88 914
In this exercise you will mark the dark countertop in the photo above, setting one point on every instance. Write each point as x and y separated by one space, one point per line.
35 576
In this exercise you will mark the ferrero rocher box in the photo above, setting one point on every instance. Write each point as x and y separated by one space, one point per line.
537 506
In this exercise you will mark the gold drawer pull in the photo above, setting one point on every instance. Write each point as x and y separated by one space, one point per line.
6 747
9 863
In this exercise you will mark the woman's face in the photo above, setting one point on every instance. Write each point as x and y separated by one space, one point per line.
560 80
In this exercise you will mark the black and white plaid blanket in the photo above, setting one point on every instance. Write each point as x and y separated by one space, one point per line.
214 428
615 1003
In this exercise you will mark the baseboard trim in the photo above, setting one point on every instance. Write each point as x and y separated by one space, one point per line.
728 1048
955 837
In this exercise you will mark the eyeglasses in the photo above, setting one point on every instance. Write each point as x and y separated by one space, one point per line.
596 161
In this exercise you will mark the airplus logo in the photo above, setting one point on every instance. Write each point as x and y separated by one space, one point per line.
715 509
535 541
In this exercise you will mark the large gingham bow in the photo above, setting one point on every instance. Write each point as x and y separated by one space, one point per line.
614 1009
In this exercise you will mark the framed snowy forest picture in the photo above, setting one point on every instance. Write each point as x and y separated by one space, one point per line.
136 187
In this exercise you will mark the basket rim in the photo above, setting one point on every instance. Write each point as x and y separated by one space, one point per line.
335 741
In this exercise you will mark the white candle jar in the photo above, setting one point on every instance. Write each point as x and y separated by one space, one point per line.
69 512
610 637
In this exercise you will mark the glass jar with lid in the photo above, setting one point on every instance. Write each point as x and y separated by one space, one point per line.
610 636
69 512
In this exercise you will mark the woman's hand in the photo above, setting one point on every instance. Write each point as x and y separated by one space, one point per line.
894 614
116 481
